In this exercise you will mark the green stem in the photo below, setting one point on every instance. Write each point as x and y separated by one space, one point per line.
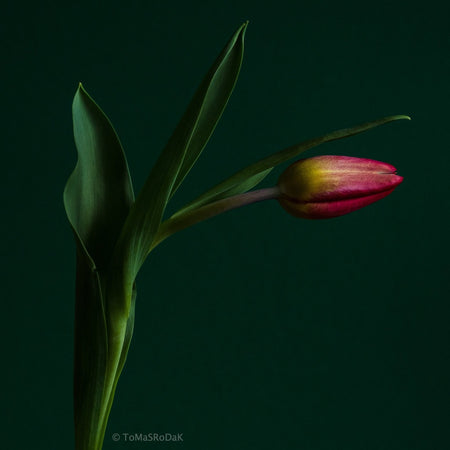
191 217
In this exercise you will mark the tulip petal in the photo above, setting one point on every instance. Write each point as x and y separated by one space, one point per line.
328 186
328 210
332 178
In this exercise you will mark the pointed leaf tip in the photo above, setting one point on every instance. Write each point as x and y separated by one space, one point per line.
181 152
252 175
98 193
209 102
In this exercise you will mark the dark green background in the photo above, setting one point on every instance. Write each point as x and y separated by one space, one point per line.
254 330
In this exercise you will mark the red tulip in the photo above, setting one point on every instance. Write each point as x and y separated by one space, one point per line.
323 187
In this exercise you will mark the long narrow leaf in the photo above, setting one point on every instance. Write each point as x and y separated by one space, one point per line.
239 182
123 356
90 354
235 189
213 93
180 153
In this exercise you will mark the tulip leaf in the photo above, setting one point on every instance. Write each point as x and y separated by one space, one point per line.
247 178
211 196
209 102
180 153
97 198
99 193
125 345
90 353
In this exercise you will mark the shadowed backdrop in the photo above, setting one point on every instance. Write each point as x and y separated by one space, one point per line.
254 330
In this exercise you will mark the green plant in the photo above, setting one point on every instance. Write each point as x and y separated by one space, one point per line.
114 232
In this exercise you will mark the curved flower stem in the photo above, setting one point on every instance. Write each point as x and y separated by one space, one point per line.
180 222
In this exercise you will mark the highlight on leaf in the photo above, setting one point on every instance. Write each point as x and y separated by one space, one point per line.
114 233
252 175
180 153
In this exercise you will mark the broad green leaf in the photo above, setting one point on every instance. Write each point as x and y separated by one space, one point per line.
247 178
97 198
98 194
180 153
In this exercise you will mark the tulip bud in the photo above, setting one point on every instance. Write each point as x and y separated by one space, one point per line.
323 187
